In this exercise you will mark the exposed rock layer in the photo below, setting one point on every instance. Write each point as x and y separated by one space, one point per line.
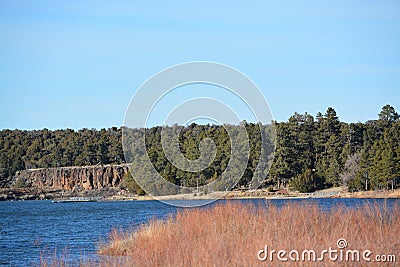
68 178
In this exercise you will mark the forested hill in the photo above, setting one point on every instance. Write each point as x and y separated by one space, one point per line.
311 153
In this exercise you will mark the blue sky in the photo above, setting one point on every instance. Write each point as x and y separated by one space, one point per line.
77 64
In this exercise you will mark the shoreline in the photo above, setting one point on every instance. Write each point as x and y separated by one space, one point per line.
244 195
226 228
115 195
337 192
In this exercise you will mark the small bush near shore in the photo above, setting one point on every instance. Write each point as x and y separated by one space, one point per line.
232 234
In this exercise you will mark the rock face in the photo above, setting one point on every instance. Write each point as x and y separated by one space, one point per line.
68 178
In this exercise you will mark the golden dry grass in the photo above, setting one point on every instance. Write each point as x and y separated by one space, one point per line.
231 234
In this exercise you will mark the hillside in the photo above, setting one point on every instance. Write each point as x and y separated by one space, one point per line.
311 153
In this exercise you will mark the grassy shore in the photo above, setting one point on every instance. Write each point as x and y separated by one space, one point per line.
234 234
335 192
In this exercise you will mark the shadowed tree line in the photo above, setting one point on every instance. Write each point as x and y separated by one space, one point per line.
226 163
311 153
46 149
314 153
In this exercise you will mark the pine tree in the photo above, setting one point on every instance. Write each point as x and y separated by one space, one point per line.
283 169
388 115
329 147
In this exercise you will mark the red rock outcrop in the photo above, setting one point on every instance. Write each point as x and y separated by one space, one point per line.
67 178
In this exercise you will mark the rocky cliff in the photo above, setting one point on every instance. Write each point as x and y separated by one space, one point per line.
68 178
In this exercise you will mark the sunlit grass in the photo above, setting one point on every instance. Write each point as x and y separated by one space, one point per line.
231 234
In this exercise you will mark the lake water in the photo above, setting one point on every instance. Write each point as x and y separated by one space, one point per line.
30 230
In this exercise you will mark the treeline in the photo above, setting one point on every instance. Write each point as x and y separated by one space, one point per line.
46 149
311 153
222 172
323 152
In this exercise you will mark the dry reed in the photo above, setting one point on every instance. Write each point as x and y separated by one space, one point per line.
232 234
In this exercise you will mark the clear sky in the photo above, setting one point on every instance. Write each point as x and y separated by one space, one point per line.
77 64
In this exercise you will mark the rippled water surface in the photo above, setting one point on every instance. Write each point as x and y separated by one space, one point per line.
30 230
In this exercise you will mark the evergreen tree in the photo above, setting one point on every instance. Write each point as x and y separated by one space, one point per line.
329 147
282 169
388 115
307 182
305 148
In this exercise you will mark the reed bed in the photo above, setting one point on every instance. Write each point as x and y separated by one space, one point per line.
233 234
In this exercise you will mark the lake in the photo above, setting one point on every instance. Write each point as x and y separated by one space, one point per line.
30 230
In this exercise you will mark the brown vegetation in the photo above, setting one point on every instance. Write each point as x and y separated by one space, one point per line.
231 234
